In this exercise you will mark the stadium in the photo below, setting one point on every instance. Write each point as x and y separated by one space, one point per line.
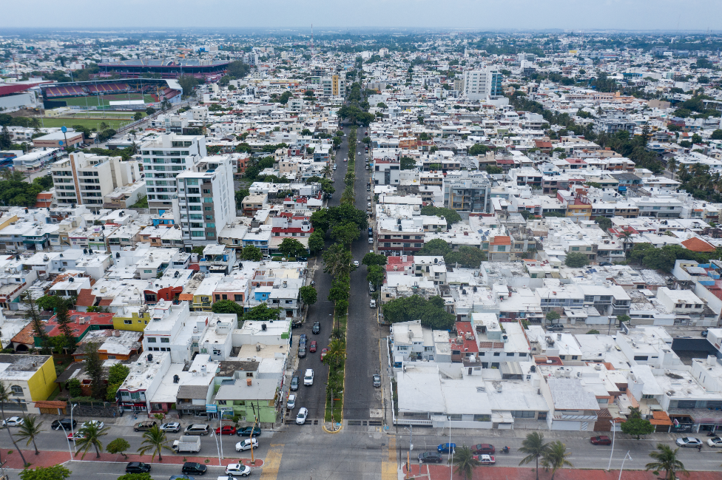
116 94
165 68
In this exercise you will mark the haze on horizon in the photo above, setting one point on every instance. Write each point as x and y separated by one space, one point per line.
635 15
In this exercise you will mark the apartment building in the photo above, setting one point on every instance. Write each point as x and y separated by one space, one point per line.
467 191
85 178
206 200
163 159
482 84
333 86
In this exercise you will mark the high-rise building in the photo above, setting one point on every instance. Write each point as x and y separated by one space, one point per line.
206 201
85 178
163 159
467 191
333 86
482 84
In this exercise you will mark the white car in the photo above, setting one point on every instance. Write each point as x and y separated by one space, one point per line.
301 417
13 422
97 423
371 240
355 263
173 427
238 469
291 402
244 445
308 377
688 442
715 442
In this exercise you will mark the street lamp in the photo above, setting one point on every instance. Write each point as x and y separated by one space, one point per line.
612 452
451 449
625 457
72 427
67 439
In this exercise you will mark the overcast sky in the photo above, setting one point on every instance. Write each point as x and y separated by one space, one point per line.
467 14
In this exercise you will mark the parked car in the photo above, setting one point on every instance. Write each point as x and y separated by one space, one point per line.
324 351
486 459
446 448
246 444
371 240
97 423
308 377
226 430
605 264
194 468
483 449
297 324
238 470
688 442
197 429
301 416
430 457
13 422
246 431
715 442
63 423
291 402
294 384
303 338
601 440
144 426
137 467
377 380
173 427
313 346
316 329
372 303
302 351
555 327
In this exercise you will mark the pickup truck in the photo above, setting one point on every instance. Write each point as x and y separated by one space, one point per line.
187 444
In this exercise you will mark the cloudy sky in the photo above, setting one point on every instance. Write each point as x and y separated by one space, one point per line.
466 14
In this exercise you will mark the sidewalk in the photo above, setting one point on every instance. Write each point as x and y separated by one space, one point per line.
49 458
441 472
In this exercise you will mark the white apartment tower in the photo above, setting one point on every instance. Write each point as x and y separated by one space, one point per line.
482 84
163 159
206 200
85 178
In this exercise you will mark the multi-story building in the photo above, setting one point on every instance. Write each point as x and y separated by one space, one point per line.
163 159
84 178
482 84
206 200
333 86
467 191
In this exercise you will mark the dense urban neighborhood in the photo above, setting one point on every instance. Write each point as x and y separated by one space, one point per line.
340 255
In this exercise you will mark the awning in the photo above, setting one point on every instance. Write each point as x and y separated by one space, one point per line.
660 418
51 404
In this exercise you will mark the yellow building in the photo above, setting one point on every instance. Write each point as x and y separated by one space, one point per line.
134 319
29 379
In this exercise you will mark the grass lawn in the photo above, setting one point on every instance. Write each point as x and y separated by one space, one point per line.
94 101
338 397
86 122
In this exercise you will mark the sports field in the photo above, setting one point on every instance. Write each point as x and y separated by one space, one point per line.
94 101
86 122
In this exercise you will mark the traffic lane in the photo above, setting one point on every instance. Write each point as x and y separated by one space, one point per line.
111 471
583 453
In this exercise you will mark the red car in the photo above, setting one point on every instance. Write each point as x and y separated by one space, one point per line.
601 440
313 346
227 430
324 351
483 449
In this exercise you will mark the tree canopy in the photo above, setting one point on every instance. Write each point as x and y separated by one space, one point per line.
450 215
263 313
431 312
290 247
227 306
576 260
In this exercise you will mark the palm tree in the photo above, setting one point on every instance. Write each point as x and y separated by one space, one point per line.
534 447
666 459
29 430
89 436
154 440
5 397
465 462
556 457
336 351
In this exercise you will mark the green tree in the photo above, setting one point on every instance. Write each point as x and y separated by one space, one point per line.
431 312
290 247
593 332
252 253
716 135
154 441
90 436
284 98
33 315
375 274
137 116
136 476
534 448
408 163
262 313
551 316
316 243
119 445
94 369
337 260
227 306
240 195
188 83
308 294
75 388
336 352
576 260
555 457
64 325
478 149
374 259
345 233
665 459
5 398
465 462
321 221
637 427
467 257
56 472
604 223
434 248
451 216
29 430
238 69
340 289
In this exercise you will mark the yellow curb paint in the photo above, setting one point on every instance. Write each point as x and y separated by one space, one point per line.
388 467
272 463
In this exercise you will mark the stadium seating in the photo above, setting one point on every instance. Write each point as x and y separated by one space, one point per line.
54 92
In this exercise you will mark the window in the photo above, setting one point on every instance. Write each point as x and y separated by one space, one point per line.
165 340
128 322
238 298
510 354
482 418
16 390
640 357
496 354
522 414
151 339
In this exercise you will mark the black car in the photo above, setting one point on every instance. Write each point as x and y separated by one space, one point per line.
429 457
316 328
605 264
555 327
246 432
302 351
194 468
64 423
137 467
294 384
297 324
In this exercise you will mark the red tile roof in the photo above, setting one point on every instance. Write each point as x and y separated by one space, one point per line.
696 244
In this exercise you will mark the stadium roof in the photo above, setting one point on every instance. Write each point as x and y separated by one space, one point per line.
162 63
9 88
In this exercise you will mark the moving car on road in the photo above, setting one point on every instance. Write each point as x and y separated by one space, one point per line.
63 423
486 459
13 422
313 346
377 380
246 444
483 449
301 416
446 448
601 440
246 432
97 423
316 329
430 457
226 430
324 351
238 470
715 442
137 467
194 468
308 377
688 442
